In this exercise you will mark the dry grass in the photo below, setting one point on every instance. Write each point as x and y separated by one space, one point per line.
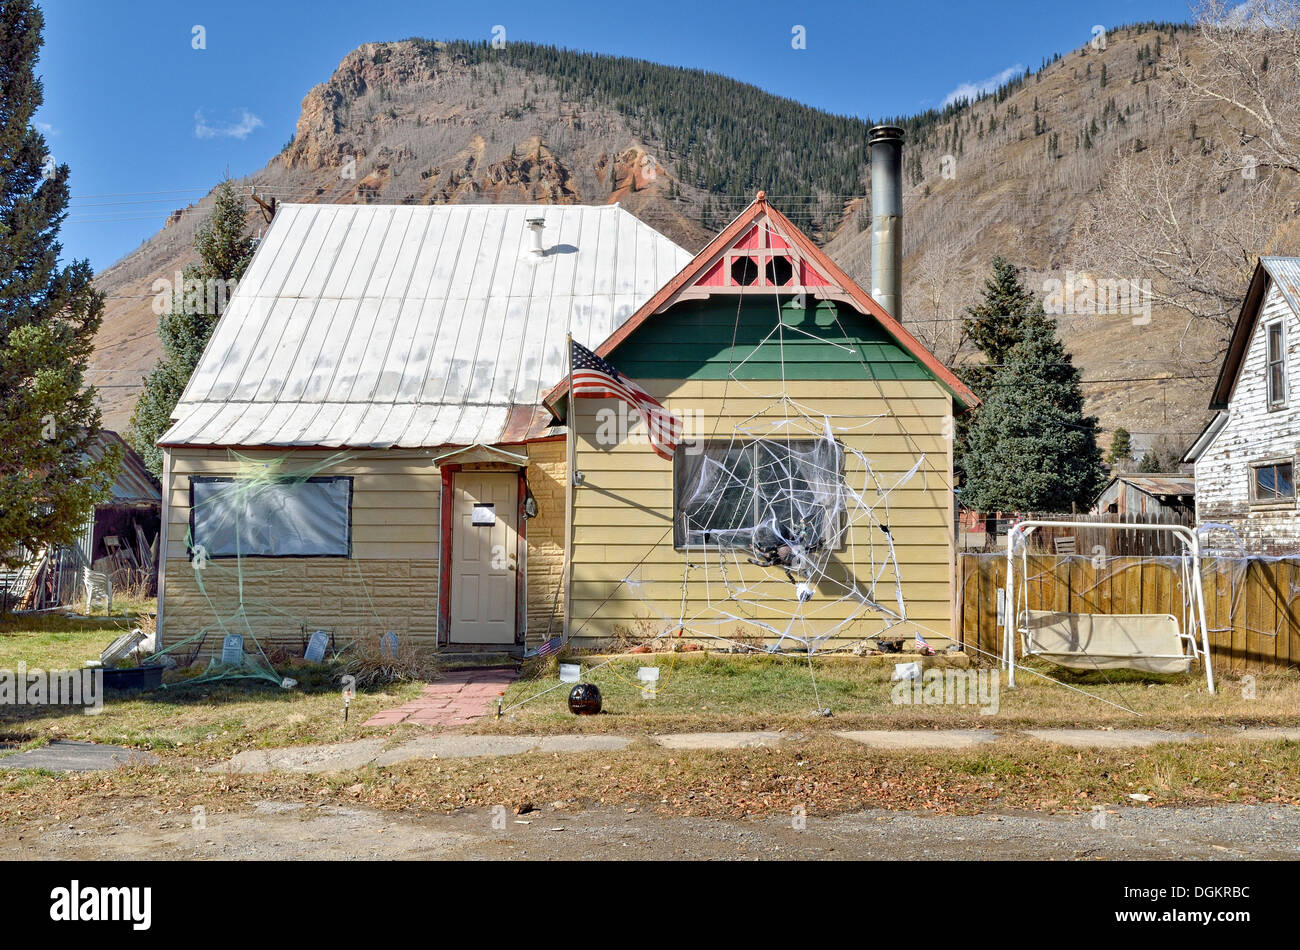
821 774
715 692
209 720
373 666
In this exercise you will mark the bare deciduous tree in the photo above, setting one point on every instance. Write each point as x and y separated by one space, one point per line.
1197 215
940 286
1189 222
1247 66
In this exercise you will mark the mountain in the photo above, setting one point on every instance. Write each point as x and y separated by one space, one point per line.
1012 173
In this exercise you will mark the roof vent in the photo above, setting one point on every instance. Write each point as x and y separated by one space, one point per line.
537 225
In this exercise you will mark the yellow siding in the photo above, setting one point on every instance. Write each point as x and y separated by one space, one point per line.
545 534
623 511
390 582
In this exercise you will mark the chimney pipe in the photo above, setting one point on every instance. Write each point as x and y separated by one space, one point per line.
536 225
887 218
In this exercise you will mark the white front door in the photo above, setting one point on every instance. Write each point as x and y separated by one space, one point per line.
484 557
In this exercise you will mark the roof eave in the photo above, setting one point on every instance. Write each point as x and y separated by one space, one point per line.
1240 339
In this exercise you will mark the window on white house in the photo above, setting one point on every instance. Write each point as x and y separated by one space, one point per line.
1272 481
1276 364
767 497
248 517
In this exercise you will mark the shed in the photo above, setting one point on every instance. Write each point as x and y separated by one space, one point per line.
120 537
1173 493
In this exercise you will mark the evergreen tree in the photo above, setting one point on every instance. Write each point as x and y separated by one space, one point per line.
998 322
1031 448
48 319
1121 447
1149 463
225 248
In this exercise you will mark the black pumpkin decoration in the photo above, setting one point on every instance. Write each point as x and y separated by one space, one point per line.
584 700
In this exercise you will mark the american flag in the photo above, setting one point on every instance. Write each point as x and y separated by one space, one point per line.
593 378
550 646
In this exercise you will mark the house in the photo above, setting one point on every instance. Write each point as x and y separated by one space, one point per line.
376 437
119 537
123 535
1171 495
771 355
363 445
1245 458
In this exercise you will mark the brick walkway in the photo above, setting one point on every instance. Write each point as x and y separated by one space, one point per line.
459 697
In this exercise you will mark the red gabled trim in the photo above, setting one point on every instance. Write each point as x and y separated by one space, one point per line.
816 270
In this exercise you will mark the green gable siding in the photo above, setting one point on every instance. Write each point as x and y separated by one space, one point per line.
826 341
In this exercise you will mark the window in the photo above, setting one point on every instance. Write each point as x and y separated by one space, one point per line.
1272 482
1276 364
244 517
770 497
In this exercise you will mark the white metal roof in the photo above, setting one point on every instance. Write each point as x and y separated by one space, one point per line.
413 325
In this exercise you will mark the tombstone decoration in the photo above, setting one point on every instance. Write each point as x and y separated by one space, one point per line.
388 646
316 647
232 650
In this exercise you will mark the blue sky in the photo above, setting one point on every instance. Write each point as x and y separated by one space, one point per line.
148 123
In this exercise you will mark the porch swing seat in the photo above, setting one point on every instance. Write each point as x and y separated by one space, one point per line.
1148 642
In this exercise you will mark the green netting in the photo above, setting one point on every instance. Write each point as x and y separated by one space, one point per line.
253 611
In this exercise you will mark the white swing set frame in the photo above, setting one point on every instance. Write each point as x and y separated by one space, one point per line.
1016 621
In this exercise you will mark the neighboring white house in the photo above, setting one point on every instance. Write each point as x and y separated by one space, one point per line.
1247 456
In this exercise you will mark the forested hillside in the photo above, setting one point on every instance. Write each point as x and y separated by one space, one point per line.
1034 171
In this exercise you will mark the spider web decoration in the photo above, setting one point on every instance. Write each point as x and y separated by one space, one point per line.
239 591
786 494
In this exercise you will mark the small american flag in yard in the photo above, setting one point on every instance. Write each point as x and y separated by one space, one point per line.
922 647
593 378
550 646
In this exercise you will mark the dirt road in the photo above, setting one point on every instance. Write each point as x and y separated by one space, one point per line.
280 831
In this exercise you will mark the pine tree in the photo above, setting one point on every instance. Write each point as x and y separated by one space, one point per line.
1031 448
225 248
48 319
1121 447
1149 463
998 322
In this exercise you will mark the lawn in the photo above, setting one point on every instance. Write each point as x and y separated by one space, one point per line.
192 726
208 720
816 772
712 692
696 692
54 641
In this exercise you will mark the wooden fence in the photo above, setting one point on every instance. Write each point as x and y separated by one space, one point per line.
1252 605
989 534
